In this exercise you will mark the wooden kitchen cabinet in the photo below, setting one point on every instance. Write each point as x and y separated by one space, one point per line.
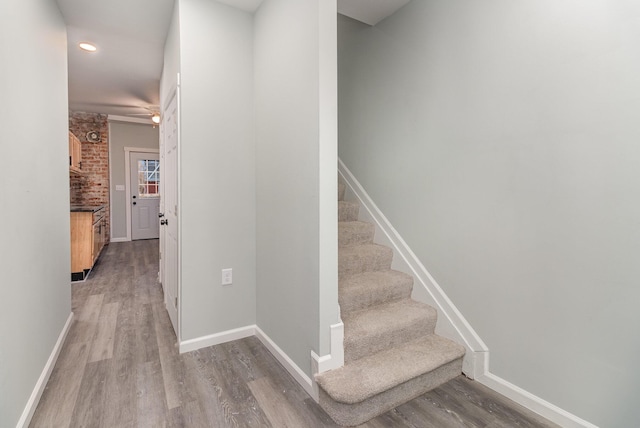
88 237
75 154
99 229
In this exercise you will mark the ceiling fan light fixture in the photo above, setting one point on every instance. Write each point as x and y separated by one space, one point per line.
86 46
155 118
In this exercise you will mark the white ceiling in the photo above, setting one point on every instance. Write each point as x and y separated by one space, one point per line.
123 76
369 11
247 5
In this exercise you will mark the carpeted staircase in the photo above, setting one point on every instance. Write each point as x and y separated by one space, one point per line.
391 352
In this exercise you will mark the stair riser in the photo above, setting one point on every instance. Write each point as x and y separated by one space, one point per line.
358 347
349 235
359 413
348 211
353 263
351 302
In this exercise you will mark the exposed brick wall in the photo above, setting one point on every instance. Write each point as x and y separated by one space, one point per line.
91 188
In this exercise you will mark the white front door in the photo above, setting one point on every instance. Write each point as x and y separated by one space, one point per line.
145 195
169 230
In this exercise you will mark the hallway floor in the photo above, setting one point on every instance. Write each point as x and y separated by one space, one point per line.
119 367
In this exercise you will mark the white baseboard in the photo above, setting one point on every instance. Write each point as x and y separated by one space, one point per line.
330 361
294 370
335 359
119 239
30 408
253 330
534 403
451 323
217 339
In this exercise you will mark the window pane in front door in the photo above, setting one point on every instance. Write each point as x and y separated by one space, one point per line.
149 178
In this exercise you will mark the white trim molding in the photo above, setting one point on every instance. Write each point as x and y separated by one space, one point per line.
534 403
327 362
119 240
451 323
335 359
294 370
116 118
30 408
330 361
217 338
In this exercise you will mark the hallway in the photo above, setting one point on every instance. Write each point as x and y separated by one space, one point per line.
119 367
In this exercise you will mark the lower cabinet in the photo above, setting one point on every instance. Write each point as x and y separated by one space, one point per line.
88 237
98 240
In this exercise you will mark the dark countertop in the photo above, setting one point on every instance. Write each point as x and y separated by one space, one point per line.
86 208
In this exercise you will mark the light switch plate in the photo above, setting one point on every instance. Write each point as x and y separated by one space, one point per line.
227 276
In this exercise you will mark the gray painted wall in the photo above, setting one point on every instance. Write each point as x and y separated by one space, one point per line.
501 140
272 77
217 164
121 135
171 64
34 197
288 83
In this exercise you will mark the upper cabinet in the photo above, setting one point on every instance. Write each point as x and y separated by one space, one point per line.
75 154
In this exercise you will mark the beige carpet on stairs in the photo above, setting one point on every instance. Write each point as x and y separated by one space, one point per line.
392 354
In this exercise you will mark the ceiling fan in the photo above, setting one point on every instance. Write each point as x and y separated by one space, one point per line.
153 112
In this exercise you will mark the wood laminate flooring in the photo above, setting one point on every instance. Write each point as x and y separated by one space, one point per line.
120 367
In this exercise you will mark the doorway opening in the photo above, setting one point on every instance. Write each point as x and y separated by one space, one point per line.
145 195
142 186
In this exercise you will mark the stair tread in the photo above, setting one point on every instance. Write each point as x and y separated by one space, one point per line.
388 318
348 210
355 232
363 249
365 246
349 203
379 372
368 289
355 259
354 224
367 280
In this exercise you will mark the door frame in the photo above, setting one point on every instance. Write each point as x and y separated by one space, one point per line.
127 179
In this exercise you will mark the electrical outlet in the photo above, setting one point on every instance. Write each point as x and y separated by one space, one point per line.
227 276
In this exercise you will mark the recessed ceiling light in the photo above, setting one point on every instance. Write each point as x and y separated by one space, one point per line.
87 47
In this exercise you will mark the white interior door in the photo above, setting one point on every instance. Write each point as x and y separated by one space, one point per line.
145 195
169 220
161 213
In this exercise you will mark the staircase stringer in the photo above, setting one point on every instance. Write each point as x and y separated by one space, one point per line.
451 323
